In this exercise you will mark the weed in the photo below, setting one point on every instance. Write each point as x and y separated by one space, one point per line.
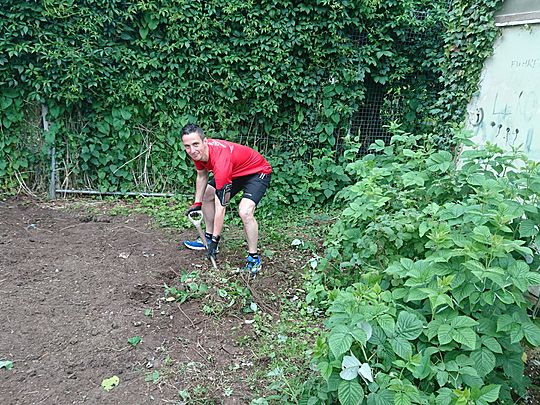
134 341
230 294
149 312
282 345
169 212
153 377
188 290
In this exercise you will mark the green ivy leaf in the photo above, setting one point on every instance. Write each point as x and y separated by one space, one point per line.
329 129
103 127
143 32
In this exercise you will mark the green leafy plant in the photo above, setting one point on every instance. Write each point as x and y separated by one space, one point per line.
152 377
189 289
149 312
229 294
285 343
168 212
134 341
468 42
438 256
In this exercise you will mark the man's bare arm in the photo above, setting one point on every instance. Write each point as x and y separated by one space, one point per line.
200 184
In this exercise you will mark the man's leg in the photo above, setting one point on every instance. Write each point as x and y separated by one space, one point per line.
209 208
254 189
246 210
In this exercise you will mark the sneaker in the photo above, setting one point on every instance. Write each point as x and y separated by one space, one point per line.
194 244
197 244
253 265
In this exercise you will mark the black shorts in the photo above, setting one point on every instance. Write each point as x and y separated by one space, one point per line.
254 186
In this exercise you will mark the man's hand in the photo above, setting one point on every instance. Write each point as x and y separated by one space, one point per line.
196 206
212 247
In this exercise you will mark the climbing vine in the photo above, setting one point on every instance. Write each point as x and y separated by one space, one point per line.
468 42
121 78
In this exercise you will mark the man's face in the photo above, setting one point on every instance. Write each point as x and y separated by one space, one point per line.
195 147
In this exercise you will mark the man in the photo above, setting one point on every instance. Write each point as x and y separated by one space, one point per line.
235 167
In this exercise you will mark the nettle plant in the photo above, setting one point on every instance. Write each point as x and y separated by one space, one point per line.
439 256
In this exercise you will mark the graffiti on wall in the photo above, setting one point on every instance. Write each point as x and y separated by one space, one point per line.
511 121
506 110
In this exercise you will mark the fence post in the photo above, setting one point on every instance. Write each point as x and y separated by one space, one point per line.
52 151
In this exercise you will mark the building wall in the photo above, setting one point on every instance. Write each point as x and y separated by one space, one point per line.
506 110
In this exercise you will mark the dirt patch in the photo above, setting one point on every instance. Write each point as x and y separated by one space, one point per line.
75 287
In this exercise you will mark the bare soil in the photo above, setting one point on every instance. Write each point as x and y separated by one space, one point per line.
74 288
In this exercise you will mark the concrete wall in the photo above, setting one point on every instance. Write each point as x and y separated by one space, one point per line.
506 110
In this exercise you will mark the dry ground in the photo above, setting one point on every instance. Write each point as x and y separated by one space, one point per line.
75 287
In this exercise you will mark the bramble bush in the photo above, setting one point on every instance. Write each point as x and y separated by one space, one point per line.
426 278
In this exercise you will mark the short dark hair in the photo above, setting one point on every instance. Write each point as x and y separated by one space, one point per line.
191 128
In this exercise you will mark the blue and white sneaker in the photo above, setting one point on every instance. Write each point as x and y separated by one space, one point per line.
197 244
253 265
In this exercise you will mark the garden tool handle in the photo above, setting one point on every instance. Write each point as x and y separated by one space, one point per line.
196 218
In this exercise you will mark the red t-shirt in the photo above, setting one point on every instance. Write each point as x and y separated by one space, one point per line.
229 160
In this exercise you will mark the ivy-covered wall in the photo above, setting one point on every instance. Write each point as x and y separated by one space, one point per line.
469 41
120 78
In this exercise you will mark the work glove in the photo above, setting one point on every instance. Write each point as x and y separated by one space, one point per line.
212 247
196 206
